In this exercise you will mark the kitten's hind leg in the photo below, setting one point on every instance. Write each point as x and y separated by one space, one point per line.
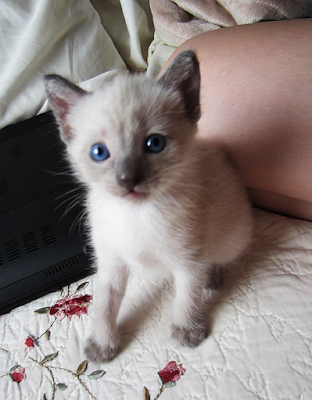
215 277
110 288
189 325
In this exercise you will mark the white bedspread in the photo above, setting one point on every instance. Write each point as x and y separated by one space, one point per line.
259 346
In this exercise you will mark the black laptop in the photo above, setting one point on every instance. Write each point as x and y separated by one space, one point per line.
42 236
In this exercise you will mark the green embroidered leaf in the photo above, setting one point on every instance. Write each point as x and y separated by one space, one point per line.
82 286
14 368
169 384
48 335
146 395
82 368
50 357
44 397
61 386
97 374
43 310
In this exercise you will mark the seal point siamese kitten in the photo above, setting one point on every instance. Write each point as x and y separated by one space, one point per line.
157 194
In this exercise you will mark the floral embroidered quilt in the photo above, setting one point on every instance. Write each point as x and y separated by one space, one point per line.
259 344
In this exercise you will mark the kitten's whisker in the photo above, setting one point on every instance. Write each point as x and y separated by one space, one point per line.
74 201
67 193
60 173
78 221
72 205
78 197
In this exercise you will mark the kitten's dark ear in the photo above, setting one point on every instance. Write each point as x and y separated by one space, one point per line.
63 95
183 75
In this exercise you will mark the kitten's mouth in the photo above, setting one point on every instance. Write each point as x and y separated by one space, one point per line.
134 195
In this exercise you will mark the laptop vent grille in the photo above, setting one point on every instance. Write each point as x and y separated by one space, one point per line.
47 235
3 186
12 250
30 242
62 266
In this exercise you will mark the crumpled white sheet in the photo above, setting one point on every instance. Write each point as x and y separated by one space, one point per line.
67 38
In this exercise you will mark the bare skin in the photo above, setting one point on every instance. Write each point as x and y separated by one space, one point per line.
256 97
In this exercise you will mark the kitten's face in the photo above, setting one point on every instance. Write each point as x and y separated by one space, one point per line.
129 137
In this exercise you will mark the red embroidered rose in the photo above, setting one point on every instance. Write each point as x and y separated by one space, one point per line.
69 306
171 373
29 343
18 374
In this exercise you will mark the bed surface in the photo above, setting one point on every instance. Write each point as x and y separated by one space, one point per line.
259 345
260 337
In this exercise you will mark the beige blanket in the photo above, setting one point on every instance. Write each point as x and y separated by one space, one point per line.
179 20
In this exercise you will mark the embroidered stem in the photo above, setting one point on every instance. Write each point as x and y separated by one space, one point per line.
66 370
5 351
51 375
39 337
76 376
160 392
85 387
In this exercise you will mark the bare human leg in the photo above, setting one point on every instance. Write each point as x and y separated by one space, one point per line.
256 99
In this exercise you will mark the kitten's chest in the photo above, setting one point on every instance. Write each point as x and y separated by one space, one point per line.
137 232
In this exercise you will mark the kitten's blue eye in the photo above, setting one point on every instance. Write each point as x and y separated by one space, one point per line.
99 152
155 143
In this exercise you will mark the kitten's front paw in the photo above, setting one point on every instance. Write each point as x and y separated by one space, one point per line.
99 354
189 337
